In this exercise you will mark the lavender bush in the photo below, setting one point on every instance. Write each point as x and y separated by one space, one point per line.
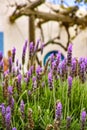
53 97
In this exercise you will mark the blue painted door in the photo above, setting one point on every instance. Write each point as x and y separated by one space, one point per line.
2 42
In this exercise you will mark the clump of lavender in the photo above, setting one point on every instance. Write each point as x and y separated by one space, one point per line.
10 64
24 52
68 123
69 55
69 85
13 54
50 80
83 120
22 108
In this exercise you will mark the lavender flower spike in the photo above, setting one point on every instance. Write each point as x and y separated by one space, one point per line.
10 64
14 128
69 85
68 123
50 80
1 56
8 121
23 54
83 120
69 55
10 90
58 111
22 107
13 54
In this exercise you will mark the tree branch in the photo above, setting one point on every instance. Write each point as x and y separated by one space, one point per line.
54 17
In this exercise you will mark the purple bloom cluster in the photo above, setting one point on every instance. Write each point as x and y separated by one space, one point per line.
22 108
50 80
8 118
83 120
69 85
34 82
13 54
31 49
10 64
69 55
38 72
58 111
24 52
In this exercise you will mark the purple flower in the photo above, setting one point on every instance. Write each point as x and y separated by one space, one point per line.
68 123
14 128
50 80
19 78
62 69
52 57
8 121
13 54
10 64
74 67
70 81
83 120
82 72
34 81
19 83
1 56
1 65
23 53
31 49
8 109
58 111
58 58
3 110
69 55
38 71
22 107
69 85
10 90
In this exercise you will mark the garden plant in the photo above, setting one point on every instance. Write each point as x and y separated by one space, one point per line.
52 97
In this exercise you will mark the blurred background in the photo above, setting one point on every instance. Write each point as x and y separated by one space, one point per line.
55 22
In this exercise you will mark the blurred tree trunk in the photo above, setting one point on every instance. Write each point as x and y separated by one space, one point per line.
32 28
